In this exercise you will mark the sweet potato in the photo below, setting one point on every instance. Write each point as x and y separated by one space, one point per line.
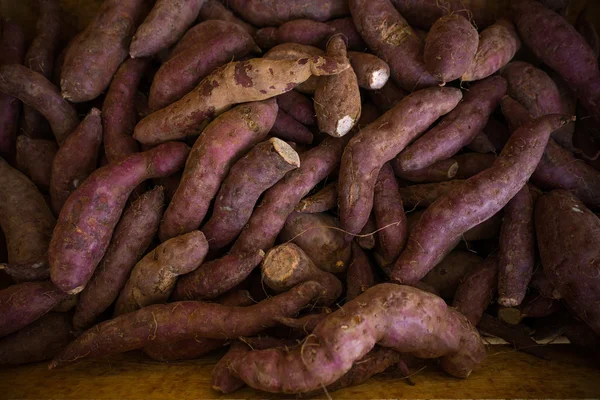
319 236
24 303
38 270
40 57
220 43
34 159
381 141
118 111
476 290
390 37
537 306
84 229
237 82
425 194
568 240
541 283
487 229
213 154
348 334
458 128
131 238
164 26
477 199
287 265
160 323
323 200
298 106
371 71
387 97
307 323
25 218
497 132
498 44
471 164
302 31
248 178
288 129
38 92
337 97
274 13
346 27
443 170
76 159
450 47
481 144
153 278
12 48
95 54
39 341
294 51
366 237
360 274
212 9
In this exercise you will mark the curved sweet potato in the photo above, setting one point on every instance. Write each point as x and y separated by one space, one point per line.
426 194
293 51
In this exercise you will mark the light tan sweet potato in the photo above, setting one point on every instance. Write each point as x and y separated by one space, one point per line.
443 170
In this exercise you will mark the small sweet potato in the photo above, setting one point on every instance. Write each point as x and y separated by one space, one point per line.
477 289
387 97
276 12
451 271
84 229
95 54
290 130
425 194
298 106
76 159
471 164
360 273
450 47
371 71
213 9
568 240
34 159
323 200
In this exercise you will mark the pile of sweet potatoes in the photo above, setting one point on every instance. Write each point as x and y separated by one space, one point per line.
251 169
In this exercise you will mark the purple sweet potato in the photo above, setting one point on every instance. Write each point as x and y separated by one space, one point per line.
34 159
587 29
487 229
274 13
212 9
39 341
95 54
498 44
25 218
213 154
223 379
360 273
450 47
302 31
298 106
307 323
451 271
118 111
476 291
348 334
289 129
475 200
319 236
131 238
23 303
346 27
424 13
38 92
380 142
248 178
471 164
516 257
164 26
218 43
371 71
84 229
569 241
76 159
323 200
160 323
458 128
391 38
387 97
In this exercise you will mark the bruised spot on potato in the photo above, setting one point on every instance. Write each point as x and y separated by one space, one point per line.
241 74
207 86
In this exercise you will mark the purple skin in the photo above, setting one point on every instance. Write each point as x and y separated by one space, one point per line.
299 106
360 273
393 40
471 164
276 12
290 130
387 97
481 144
440 171
476 291
323 200
88 218
424 13
380 142
346 27
475 200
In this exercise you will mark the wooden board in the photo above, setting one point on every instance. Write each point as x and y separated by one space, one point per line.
504 374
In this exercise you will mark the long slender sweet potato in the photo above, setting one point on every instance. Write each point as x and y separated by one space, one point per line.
118 110
381 141
218 43
476 291
470 164
290 130
238 82
359 275
76 159
287 265
391 38
160 323
95 54
212 9
274 13
38 92
34 159
450 47
498 44
323 200
84 229
39 341
443 170
458 128
23 303
371 71
131 238
451 271
477 199
568 240
319 236
378 316
298 106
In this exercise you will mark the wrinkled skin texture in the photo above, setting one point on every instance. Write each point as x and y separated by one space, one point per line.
212 9
360 274
381 141
476 291
569 242
378 316
450 272
38 92
276 12
89 216
222 143
160 323
34 159
324 200
131 238
475 200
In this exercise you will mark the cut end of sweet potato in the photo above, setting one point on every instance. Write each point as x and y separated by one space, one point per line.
344 126
510 314
286 151
379 79
280 263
